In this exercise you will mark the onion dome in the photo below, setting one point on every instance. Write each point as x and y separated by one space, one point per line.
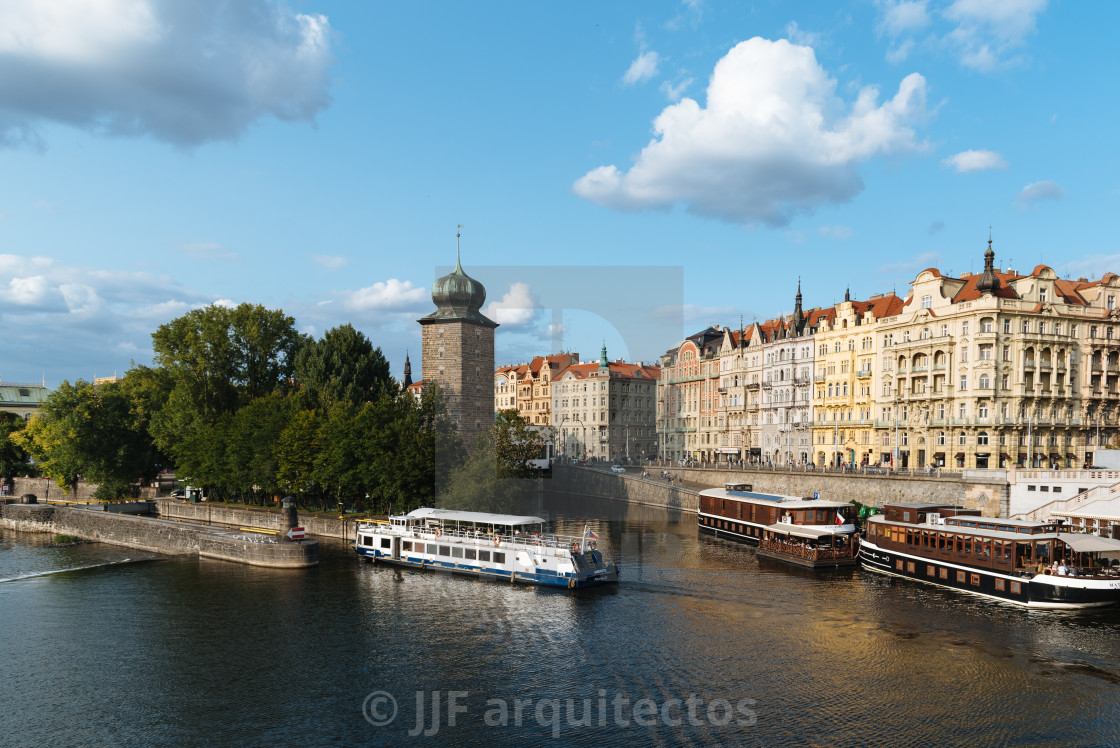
989 281
458 296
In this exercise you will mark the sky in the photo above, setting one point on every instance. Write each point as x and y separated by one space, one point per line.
619 174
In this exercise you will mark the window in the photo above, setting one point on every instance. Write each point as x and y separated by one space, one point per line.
927 302
964 328
960 577
982 438
1007 325
964 381
406 545
1042 295
986 324
499 558
471 554
386 543
433 549
457 552
944 573
974 580
445 550
940 438
931 571
985 383
962 439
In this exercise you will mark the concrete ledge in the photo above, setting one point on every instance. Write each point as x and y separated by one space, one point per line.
278 555
27 517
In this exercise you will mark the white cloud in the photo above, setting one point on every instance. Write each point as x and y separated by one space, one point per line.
903 17
976 161
674 91
774 140
390 295
987 31
33 291
917 263
517 307
898 54
183 73
1091 266
1044 190
642 68
799 36
836 232
330 262
208 251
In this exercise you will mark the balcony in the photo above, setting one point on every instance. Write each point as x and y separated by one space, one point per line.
818 377
919 369
1045 365
939 367
1028 364
863 373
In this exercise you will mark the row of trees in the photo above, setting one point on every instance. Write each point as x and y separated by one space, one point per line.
240 403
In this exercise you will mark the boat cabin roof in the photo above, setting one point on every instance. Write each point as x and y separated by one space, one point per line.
787 502
478 518
810 531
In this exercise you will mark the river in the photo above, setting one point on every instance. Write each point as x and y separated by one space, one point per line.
701 644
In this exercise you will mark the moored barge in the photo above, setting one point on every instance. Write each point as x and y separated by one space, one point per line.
489 546
1029 563
811 532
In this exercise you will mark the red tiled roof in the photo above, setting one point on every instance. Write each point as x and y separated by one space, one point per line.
969 292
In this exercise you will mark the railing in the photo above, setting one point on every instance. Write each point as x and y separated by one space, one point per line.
520 540
809 553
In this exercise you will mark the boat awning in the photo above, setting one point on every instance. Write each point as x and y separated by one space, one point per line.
810 531
479 518
1086 543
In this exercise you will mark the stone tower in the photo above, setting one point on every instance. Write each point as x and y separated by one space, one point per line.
457 351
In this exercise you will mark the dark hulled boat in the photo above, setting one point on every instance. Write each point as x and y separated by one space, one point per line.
1028 563
805 531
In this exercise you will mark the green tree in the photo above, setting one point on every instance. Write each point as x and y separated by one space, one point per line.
91 431
491 478
13 457
518 444
297 451
343 366
251 459
209 363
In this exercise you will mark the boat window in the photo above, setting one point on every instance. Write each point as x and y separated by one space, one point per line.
968 546
499 558
910 567
944 573
432 549
386 543
1000 585
471 553
906 516
960 544
931 571
445 550
456 552
367 540
1015 588
974 580
960 577
484 555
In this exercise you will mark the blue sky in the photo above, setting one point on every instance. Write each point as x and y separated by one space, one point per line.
318 156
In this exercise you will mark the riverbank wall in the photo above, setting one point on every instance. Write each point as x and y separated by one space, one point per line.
156 535
988 492
221 515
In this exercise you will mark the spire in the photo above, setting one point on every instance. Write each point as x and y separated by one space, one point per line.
989 281
458 265
798 320
848 294
407 371
603 364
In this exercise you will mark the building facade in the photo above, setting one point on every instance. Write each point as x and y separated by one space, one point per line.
528 387
22 399
457 343
605 411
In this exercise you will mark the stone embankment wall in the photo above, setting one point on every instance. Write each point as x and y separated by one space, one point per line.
220 515
154 535
47 490
629 488
990 494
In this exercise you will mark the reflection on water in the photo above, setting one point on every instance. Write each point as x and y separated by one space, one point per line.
186 651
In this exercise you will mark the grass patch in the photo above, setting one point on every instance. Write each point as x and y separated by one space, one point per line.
66 540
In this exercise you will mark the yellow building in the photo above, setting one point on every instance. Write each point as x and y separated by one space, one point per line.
843 381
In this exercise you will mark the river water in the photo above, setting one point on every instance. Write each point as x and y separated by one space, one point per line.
701 644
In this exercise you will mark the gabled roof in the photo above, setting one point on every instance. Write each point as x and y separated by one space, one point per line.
617 368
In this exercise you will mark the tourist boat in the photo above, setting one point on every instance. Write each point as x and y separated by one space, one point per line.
493 546
1029 563
809 532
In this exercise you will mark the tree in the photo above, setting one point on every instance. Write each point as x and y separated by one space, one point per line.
251 461
343 366
91 431
13 457
210 363
489 479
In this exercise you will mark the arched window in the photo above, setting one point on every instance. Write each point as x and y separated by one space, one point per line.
962 439
941 438
982 438
985 383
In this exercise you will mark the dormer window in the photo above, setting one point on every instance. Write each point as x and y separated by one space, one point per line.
927 302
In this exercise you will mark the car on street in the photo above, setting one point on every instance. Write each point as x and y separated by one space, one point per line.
617 469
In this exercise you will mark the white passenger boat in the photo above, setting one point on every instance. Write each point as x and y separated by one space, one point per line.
496 546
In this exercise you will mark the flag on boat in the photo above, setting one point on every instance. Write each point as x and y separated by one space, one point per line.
839 517
591 534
